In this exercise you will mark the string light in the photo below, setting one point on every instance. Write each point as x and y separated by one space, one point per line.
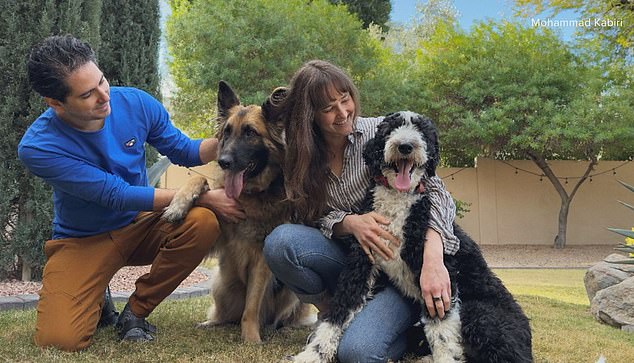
517 170
452 174
189 171
565 178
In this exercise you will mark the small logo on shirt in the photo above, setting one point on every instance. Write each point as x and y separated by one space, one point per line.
130 142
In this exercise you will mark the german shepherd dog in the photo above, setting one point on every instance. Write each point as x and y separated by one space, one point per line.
250 154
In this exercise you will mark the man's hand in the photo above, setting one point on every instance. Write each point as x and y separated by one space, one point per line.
227 208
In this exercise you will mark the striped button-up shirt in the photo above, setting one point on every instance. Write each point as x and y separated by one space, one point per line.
346 193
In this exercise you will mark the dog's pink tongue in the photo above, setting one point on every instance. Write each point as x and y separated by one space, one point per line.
403 181
233 184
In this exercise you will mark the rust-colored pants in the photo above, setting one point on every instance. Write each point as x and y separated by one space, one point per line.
78 270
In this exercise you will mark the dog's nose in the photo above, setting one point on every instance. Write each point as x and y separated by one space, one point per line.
405 148
225 162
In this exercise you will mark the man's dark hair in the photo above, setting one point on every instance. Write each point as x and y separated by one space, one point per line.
53 60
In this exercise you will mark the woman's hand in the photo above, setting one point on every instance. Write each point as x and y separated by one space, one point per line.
434 277
368 231
225 207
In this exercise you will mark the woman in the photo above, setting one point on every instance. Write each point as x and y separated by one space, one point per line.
327 179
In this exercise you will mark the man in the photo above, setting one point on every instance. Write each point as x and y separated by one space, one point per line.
89 146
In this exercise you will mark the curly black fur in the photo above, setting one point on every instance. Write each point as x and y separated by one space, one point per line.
494 328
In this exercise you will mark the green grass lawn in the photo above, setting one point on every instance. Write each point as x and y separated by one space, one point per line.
563 329
554 300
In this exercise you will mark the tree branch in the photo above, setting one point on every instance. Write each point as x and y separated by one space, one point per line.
543 165
593 162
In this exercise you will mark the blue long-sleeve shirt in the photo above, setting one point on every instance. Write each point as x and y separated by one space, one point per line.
99 178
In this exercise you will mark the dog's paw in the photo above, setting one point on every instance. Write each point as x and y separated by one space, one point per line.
251 338
207 324
250 331
306 357
426 359
322 344
175 213
308 320
184 199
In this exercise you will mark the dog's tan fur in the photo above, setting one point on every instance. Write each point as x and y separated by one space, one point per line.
244 289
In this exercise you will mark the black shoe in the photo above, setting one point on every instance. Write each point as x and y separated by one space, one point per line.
109 313
129 327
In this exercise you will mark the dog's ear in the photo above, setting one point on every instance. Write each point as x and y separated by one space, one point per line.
373 153
272 106
272 109
431 138
390 122
226 99
373 150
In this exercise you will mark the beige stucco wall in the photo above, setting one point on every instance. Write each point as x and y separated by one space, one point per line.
517 208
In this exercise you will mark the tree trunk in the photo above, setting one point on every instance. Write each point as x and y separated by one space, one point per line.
566 199
560 239
26 216
26 271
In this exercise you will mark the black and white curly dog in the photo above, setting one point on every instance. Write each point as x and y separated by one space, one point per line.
485 324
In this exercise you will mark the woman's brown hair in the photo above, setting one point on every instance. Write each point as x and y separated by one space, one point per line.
306 169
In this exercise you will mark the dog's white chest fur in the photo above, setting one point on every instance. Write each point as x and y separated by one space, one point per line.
395 206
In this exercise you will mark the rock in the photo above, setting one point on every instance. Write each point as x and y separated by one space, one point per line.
614 305
610 289
605 274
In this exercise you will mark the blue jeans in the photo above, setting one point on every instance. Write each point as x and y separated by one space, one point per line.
309 264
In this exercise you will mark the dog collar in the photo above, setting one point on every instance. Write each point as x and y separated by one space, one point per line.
382 180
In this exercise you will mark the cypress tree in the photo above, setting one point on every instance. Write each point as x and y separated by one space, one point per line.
25 201
130 35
